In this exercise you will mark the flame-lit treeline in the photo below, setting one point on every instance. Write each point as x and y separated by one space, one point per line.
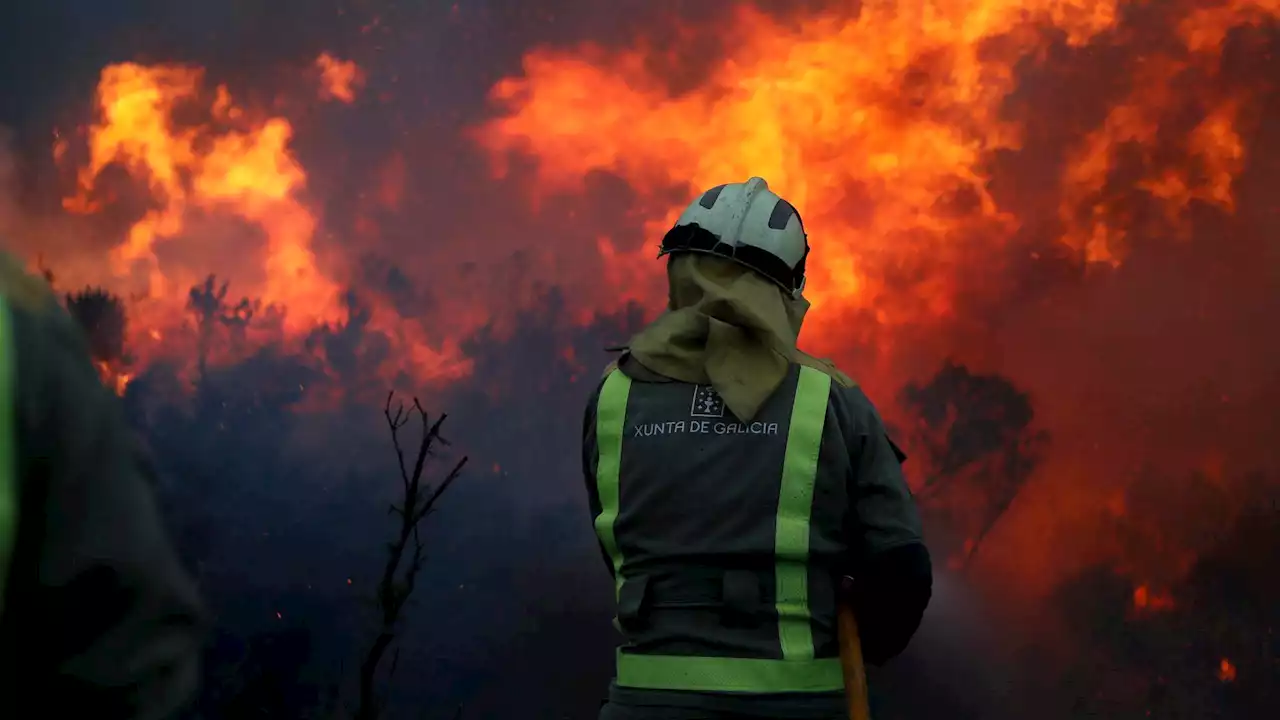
233 165
216 173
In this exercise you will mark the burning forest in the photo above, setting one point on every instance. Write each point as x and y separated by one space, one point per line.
1044 241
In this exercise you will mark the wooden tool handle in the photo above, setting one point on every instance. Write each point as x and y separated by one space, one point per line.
855 675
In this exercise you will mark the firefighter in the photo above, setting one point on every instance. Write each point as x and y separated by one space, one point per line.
734 481
98 618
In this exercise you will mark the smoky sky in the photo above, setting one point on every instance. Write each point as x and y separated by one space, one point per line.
441 54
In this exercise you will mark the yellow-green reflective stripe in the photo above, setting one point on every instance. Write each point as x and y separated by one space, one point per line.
611 413
719 674
795 506
8 450
798 671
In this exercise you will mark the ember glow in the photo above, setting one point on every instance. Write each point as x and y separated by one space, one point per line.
1145 599
340 79
1226 671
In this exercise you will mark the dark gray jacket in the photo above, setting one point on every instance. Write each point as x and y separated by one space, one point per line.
697 527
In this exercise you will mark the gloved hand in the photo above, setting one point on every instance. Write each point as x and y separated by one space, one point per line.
889 595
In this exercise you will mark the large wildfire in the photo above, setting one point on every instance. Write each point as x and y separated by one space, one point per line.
1064 204
214 173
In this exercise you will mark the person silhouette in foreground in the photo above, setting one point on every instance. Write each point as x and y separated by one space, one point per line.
98 619
734 480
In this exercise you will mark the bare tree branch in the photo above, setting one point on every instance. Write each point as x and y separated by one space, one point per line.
400 574
395 423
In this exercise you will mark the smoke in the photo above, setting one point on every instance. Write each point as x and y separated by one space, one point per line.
1043 241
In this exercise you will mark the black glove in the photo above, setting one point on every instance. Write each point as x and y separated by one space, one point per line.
889 596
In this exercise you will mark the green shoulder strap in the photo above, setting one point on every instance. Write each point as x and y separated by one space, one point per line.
611 415
8 449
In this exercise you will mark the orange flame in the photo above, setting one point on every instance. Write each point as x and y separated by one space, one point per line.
339 79
881 126
887 124
245 170
115 380
224 192
1145 599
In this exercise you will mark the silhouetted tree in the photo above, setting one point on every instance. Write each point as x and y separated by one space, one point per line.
978 432
208 302
353 351
102 316
400 573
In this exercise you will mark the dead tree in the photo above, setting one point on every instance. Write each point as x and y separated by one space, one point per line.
405 551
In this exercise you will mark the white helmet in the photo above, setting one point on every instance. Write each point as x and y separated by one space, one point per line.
749 224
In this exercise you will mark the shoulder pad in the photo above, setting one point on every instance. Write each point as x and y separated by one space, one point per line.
829 368
840 378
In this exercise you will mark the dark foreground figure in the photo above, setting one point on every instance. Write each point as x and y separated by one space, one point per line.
733 481
98 618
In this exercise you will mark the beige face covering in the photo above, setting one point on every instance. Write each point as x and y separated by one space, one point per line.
729 327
